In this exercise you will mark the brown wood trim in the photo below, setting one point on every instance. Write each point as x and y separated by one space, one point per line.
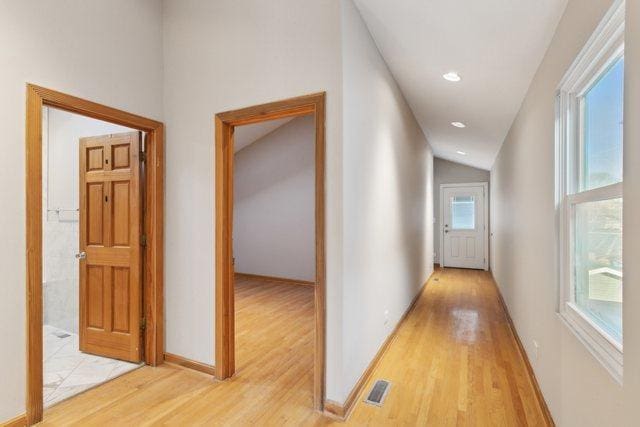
191 364
532 376
292 107
224 327
62 101
225 323
38 97
153 255
342 411
335 410
34 402
19 421
250 276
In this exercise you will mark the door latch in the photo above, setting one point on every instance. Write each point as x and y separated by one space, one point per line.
81 255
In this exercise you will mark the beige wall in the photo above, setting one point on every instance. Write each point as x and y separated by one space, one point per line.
388 205
274 203
577 388
631 214
219 56
61 45
448 172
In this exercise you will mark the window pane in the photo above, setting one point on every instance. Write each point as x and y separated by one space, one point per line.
463 213
602 127
598 263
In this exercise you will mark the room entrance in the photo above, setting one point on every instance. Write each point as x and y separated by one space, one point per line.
226 126
94 245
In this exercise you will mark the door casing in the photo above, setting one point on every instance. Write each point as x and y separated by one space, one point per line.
485 186
153 272
225 123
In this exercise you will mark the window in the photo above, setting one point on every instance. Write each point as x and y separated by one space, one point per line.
463 213
598 263
602 129
589 192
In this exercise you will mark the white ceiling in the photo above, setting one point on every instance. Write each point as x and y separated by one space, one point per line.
495 46
248 134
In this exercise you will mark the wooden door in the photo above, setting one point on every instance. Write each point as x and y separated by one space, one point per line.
110 274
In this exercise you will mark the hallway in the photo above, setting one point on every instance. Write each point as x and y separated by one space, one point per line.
454 361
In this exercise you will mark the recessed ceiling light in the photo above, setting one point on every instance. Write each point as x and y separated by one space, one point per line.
452 76
458 124
461 153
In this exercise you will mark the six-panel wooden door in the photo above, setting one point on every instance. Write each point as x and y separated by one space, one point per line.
110 232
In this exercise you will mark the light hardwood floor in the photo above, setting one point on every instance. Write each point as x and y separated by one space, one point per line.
454 361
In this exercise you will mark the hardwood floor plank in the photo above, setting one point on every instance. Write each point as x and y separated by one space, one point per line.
454 361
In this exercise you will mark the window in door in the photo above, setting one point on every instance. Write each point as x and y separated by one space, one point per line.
463 213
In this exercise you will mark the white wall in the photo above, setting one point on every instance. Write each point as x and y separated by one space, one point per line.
388 209
577 388
220 56
60 181
448 172
274 203
62 45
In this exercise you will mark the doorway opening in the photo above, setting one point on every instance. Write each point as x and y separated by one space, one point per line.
464 216
94 245
274 250
91 187
297 284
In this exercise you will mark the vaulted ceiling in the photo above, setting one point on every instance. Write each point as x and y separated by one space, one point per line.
248 134
494 45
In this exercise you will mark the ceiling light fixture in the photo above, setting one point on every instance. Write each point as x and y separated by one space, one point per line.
452 76
458 124
461 153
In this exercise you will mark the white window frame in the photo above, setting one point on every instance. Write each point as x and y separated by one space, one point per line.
601 51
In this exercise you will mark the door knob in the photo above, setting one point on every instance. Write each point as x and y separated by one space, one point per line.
81 255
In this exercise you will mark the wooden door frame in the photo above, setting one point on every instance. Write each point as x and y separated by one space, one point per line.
225 123
485 189
38 97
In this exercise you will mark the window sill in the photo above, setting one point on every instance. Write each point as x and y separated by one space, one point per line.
599 343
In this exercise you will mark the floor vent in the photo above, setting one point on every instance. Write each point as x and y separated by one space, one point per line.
378 392
61 334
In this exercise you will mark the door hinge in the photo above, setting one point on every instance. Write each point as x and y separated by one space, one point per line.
143 324
143 156
143 240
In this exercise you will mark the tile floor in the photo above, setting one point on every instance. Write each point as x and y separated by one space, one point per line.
67 371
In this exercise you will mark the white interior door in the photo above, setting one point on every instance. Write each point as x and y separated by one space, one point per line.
463 226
